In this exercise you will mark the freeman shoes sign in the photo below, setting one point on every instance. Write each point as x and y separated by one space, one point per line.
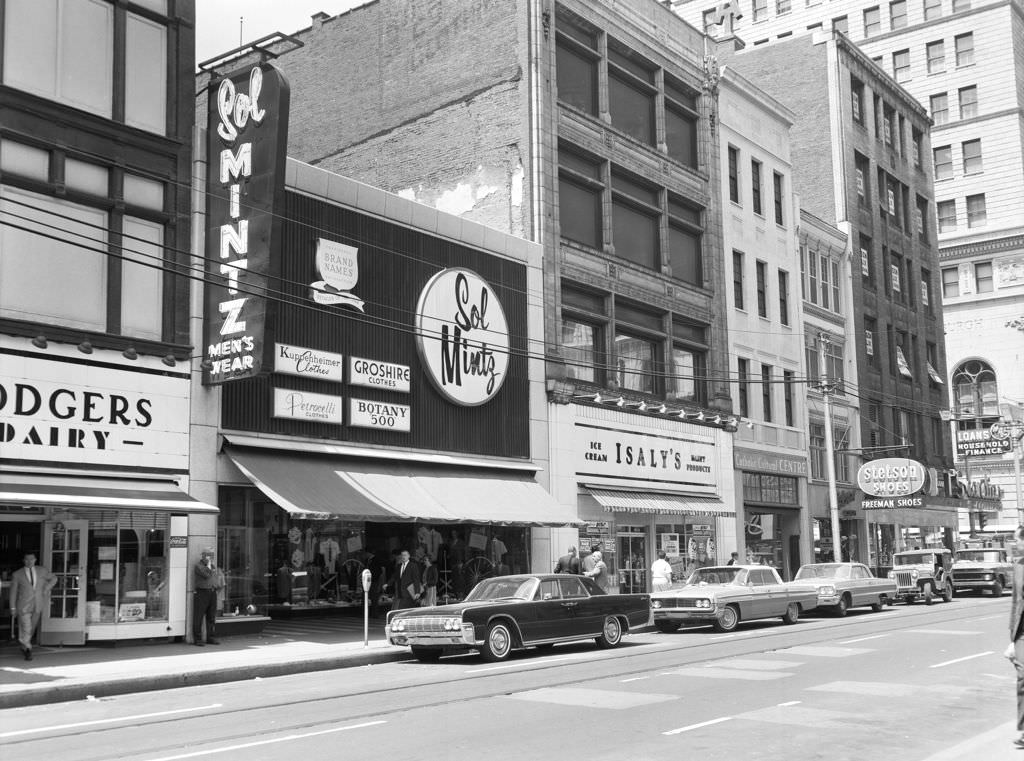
462 337
247 137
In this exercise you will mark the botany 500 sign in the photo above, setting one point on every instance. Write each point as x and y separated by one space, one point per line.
462 336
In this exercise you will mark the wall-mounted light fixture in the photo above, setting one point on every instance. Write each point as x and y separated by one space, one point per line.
39 341
169 360
662 409
130 353
85 347
750 425
700 414
621 402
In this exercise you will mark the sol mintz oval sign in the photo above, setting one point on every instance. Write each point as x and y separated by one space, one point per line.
462 336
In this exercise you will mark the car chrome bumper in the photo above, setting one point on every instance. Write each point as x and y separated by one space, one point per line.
466 636
827 601
698 616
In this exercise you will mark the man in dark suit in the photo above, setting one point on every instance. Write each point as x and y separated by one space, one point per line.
568 563
407 585
1015 650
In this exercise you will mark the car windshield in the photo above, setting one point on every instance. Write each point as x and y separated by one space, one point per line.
915 558
980 556
823 571
504 588
717 576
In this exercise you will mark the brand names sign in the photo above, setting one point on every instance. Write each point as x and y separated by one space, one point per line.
247 134
308 363
53 411
891 477
620 455
369 373
305 405
462 337
385 416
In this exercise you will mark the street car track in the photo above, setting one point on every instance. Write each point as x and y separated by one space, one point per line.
621 662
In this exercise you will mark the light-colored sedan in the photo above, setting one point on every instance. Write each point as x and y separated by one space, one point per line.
725 595
842 586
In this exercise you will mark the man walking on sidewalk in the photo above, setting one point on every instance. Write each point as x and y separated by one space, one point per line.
1015 650
30 587
206 582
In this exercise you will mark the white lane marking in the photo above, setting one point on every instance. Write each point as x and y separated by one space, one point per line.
790 703
877 689
710 672
956 632
862 639
634 679
535 661
961 660
826 652
288 738
697 726
755 664
136 717
591 698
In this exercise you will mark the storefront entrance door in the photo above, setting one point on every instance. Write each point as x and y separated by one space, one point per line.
64 554
632 561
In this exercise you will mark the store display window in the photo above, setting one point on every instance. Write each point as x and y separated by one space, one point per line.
127 569
688 546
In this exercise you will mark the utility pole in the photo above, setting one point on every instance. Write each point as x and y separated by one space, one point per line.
826 386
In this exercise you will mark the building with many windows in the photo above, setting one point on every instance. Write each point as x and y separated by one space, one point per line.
582 126
860 164
959 59
765 319
96 120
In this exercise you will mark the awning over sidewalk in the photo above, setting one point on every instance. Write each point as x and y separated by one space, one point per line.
316 487
99 492
617 501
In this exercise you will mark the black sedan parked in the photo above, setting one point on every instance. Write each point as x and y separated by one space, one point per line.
506 613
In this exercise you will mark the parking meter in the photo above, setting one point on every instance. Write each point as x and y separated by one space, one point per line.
367 578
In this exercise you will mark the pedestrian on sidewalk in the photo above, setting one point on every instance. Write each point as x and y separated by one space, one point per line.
30 588
206 582
406 584
661 573
569 562
599 572
429 598
1015 650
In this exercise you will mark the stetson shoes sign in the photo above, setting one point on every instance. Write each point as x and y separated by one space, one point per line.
247 140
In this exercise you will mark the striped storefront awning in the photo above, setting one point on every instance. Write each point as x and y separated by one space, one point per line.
616 501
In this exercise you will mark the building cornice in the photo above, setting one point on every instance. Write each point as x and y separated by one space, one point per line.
994 246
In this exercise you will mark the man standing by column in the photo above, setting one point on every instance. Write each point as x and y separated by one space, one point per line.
30 588
1015 650
204 603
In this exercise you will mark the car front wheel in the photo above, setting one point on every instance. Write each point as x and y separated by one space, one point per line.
877 606
497 643
997 589
611 633
792 614
727 620
843 606
947 592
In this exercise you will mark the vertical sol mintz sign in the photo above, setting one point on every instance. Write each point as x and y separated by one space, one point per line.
246 140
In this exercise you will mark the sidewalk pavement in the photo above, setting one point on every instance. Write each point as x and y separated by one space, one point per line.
99 670
994 745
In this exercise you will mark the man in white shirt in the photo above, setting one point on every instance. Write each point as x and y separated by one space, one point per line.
661 573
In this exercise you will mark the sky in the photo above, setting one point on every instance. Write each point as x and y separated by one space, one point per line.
217 21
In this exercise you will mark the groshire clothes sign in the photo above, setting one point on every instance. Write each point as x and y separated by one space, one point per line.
247 139
462 337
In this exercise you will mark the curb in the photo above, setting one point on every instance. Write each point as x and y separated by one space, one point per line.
33 695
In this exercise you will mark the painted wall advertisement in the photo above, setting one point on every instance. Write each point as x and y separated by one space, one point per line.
248 135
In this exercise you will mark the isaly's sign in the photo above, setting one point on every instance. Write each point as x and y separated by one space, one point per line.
247 140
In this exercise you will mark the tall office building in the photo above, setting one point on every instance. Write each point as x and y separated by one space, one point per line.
959 59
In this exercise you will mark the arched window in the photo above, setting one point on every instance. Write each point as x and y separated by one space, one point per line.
977 397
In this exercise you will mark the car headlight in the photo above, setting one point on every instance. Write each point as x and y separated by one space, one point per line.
826 591
452 624
702 603
655 603
914 574
891 574
398 625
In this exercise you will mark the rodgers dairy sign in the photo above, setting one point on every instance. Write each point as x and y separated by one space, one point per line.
891 477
